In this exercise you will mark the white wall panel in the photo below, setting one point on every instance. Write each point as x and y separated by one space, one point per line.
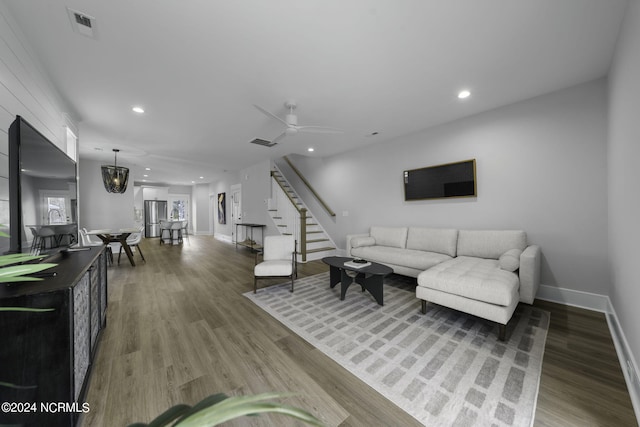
25 90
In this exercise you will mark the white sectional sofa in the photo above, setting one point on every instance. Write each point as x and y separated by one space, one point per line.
481 272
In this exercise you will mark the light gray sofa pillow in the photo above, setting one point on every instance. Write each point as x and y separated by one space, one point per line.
490 244
510 260
396 237
439 240
360 241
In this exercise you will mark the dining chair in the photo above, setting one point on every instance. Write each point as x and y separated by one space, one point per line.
185 230
47 233
278 260
164 226
35 243
133 241
176 230
89 240
67 235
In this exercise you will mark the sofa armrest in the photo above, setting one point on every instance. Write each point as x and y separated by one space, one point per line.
348 242
529 273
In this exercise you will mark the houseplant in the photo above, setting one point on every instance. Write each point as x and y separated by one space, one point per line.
219 408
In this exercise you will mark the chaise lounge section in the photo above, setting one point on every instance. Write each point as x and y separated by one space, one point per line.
481 272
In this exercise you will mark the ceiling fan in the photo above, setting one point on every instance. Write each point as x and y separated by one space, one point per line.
291 123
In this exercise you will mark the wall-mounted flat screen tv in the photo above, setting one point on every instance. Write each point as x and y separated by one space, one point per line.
441 181
42 192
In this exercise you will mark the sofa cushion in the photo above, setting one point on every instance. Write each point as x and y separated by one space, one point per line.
358 241
474 278
439 240
395 237
510 260
419 260
489 243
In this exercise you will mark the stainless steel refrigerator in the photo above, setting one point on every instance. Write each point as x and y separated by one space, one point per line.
154 212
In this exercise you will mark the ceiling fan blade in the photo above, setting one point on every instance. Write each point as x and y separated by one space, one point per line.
270 114
319 129
279 137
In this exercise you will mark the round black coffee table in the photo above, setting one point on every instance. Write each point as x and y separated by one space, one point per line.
370 277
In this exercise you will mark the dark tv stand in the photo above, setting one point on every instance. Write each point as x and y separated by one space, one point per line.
50 353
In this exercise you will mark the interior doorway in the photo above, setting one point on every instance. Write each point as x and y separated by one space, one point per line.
236 209
178 208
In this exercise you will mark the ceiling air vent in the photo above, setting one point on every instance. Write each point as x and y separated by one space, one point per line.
82 20
82 23
263 142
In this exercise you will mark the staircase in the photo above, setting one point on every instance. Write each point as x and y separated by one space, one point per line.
291 216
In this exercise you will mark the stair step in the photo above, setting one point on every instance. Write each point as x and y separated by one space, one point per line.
314 232
317 240
282 225
277 217
328 248
272 210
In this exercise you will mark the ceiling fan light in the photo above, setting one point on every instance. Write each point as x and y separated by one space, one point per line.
291 119
291 131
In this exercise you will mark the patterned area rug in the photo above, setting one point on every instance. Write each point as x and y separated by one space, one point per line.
445 368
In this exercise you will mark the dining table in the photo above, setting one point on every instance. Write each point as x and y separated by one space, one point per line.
117 236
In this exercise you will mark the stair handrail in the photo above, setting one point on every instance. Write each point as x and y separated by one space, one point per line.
303 217
293 202
304 180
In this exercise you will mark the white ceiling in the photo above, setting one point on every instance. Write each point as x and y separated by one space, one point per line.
387 66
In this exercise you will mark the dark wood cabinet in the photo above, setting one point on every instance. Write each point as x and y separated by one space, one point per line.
49 354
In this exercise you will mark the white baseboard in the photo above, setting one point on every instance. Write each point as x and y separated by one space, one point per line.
223 237
602 303
627 360
587 300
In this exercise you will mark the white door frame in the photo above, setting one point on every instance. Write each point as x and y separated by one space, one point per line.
236 208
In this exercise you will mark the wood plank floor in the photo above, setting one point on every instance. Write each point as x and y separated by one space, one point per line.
179 329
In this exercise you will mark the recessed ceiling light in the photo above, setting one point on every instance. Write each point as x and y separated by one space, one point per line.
147 169
138 110
145 175
202 177
464 94
310 149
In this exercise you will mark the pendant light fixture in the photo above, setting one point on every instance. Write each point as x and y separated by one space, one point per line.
115 177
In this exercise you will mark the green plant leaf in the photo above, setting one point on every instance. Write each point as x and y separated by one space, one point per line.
19 279
17 258
32 310
204 403
238 406
166 417
19 387
8 274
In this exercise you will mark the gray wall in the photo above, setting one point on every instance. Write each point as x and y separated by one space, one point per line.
256 190
541 167
201 209
101 209
624 176
222 231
